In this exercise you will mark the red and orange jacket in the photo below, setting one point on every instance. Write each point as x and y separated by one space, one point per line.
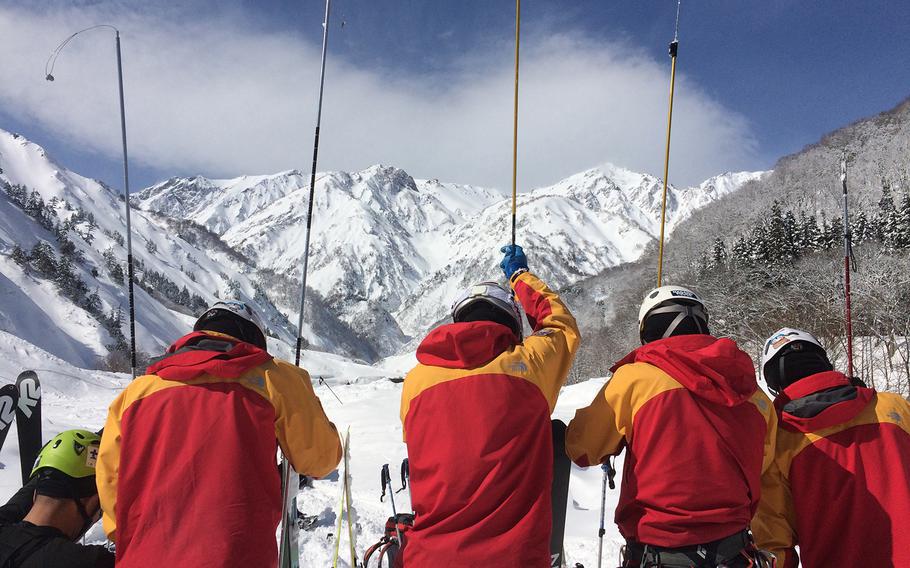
840 484
187 470
476 415
697 431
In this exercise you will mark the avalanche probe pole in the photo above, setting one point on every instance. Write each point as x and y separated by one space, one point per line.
674 47
49 69
515 123
848 256
126 205
283 560
309 215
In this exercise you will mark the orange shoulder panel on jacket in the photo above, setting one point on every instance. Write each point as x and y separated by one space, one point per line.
304 432
599 430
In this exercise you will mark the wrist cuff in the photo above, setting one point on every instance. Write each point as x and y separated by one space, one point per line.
517 273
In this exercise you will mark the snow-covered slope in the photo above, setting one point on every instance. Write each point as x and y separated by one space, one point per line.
63 210
389 252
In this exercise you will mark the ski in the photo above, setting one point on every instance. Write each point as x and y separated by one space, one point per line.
289 552
9 396
349 507
559 493
344 505
28 421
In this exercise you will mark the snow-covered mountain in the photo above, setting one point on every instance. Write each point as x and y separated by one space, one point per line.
390 251
62 266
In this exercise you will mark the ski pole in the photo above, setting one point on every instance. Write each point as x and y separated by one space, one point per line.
674 48
405 478
386 479
326 385
284 561
607 468
515 123
309 215
49 75
848 255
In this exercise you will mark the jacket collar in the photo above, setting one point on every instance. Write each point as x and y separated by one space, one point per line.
205 352
465 345
839 410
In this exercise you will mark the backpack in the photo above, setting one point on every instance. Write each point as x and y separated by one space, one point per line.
388 546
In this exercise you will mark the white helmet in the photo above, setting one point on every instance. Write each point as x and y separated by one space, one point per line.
780 339
236 307
493 294
671 299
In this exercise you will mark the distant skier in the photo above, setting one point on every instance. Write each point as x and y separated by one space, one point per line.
187 470
41 523
840 484
698 434
476 415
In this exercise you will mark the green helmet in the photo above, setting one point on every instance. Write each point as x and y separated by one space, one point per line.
72 453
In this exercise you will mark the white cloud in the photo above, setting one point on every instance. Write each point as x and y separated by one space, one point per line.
219 98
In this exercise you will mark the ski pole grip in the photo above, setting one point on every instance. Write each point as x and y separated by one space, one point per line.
385 480
674 48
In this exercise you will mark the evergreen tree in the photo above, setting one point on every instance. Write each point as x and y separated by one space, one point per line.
93 303
902 229
740 255
42 259
812 234
860 229
718 259
114 270
794 246
887 218
19 256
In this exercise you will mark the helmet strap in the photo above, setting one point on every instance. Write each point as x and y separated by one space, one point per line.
683 311
87 520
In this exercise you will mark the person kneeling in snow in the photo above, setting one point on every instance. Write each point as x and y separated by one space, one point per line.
187 470
840 484
41 523
698 434
476 416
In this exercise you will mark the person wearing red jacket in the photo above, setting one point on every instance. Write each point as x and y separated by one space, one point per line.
839 487
187 469
476 416
698 432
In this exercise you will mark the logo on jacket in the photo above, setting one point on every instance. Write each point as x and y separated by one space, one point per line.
257 382
895 416
518 367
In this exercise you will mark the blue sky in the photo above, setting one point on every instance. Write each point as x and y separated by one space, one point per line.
426 85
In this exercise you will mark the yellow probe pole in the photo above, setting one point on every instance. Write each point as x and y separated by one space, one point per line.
515 123
674 46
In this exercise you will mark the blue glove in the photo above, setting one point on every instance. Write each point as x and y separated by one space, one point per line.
514 260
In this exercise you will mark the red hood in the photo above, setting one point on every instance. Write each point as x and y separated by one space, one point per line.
465 345
711 368
834 412
224 357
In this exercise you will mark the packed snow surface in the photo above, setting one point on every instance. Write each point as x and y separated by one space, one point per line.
77 398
